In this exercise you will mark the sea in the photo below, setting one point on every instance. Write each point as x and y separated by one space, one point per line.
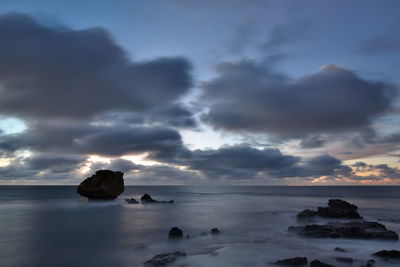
53 226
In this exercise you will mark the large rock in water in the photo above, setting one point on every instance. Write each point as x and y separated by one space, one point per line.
337 208
104 184
354 229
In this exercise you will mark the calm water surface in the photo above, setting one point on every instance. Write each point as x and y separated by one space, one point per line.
54 226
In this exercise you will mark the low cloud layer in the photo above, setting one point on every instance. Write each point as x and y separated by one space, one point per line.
331 100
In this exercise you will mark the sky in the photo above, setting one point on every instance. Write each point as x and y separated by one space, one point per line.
238 92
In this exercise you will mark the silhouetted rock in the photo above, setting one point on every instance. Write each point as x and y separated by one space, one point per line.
345 259
340 249
337 208
215 231
148 199
329 212
394 254
369 263
318 263
131 201
164 259
175 233
298 261
306 214
104 184
354 229
341 204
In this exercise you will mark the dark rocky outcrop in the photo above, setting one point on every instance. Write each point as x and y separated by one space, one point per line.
131 201
297 261
318 263
369 263
175 233
104 184
215 231
164 259
306 214
354 229
338 249
345 259
148 199
337 208
393 254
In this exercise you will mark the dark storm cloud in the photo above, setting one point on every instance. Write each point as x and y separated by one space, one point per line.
57 72
89 139
176 115
247 96
51 161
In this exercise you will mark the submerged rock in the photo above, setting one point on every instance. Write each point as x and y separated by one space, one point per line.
297 261
148 199
337 208
394 254
215 231
104 184
164 259
131 201
175 233
340 249
354 229
345 259
369 263
318 263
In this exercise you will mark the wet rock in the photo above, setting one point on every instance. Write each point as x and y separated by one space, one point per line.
338 249
164 259
329 212
337 208
298 261
394 254
345 259
104 184
148 199
131 201
175 233
215 231
304 214
354 229
369 263
341 204
318 263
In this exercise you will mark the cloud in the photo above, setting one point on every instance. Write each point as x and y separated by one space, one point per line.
83 139
57 72
248 97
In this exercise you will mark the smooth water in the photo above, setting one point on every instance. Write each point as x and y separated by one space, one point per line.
54 226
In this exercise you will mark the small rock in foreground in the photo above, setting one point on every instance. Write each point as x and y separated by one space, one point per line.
146 198
354 229
369 263
164 259
340 249
131 201
318 263
345 259
394 254
175 233
104 184
215 231
297 261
